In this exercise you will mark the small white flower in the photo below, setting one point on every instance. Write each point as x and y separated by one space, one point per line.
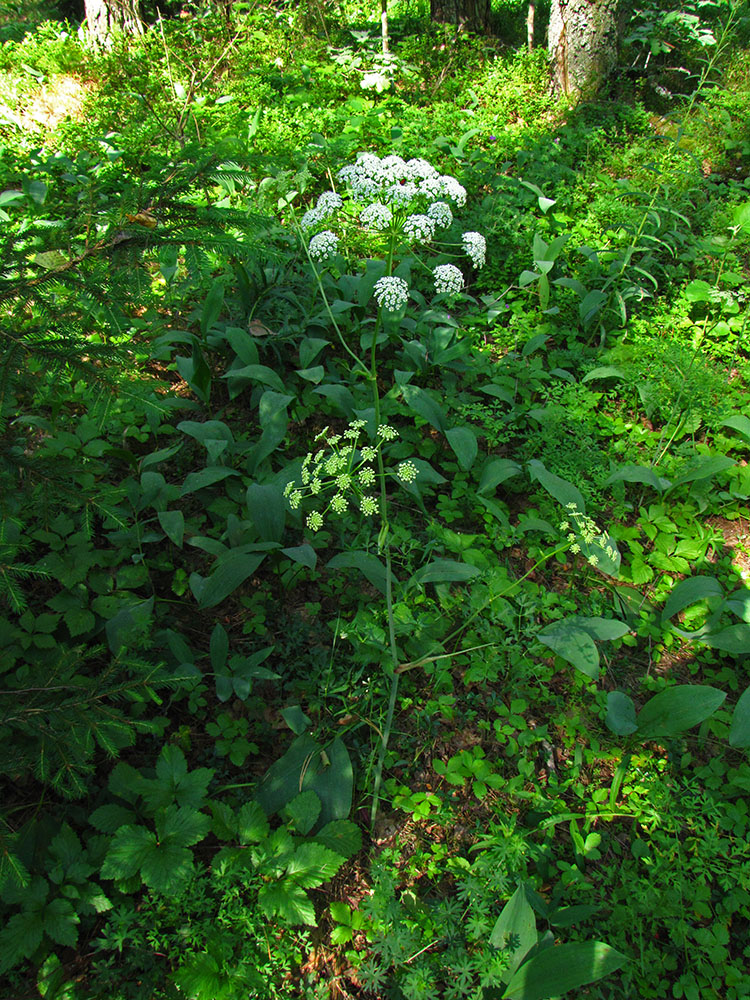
419 227
366 476
311 218
407 472
431 187
392 293
295 498
314 521
418 169
475 246
339 504
402 194
369 453
440 213
448 279
368 506
328 203
324 245
376 216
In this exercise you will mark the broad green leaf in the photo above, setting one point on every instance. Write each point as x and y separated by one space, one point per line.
257 373
638 474
739 733
207 430
310 348
735 640
172 523
515 930
568 916
129 849
306 764
218 648
296 719
601 628
212 307
572 644
340 396
690 591
739 423
304 554
560 489
704 467
20 937
313 864
167 868
678 709
620 717
498 391
604 371
206 477
553 972
495 472
229 573
698 291
444 571
369 566
463 441
267 509
421 403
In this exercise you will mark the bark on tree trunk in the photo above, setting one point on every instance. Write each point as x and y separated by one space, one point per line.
471 14
105 17
583 38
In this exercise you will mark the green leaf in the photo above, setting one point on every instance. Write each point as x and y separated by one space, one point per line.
560 489
311 347
620 717
287 901
552 972
182 826
604 371
515 930
61 922
129 849
252 824
444 571
340 836
463 441
739 733
230 572
573 644
206 477
739 423
296 719
313 864
172 523
79 621
638 474
735 640
421 403
257 373
167 868
678 709
218 648
690 591
306 764
495 472
369 566
304 554
601 628
698 291
304 810
267 509
20 937
212 307
704 467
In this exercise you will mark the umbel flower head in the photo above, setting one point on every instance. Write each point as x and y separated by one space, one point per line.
399 181
376 216
391 293
420 228
475 246
324 245
448 279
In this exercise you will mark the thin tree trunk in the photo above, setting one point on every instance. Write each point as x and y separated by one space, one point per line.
471 14
583 36
384 25
530 26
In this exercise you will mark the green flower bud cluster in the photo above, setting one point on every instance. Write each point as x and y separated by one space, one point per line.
344 468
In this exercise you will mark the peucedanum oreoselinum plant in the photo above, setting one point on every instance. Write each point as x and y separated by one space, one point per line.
394 208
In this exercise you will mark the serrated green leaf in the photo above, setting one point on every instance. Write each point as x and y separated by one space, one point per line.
61 922
111 817
182 826
304 810
340 836
79 621
287 901
130 848
19 938
313 864
252 824
167 868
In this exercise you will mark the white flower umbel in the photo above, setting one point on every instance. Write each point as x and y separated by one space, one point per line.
453 190
328 203
392 181
391 293
311 218
475 246
440 213
448 279
420 228
323 246
376 216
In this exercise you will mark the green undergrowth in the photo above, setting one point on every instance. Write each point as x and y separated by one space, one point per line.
373 615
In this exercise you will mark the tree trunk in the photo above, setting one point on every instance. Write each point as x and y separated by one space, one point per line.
583 38
471 14
106 17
